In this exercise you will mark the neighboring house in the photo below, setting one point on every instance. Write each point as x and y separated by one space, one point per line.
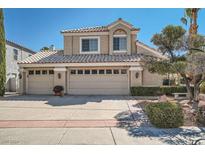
14 53
104 60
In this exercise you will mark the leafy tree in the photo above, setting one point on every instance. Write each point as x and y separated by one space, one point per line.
2 55
173 42
44 49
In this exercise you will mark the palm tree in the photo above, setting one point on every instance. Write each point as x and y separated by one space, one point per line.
191 14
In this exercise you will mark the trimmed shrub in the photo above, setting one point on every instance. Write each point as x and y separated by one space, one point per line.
170 90
202 87
156 91
145 91
165 114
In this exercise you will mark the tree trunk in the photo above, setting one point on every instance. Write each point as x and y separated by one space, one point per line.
196 96
188 87
198 80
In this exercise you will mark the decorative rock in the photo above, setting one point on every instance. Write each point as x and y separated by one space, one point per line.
202 97
163 98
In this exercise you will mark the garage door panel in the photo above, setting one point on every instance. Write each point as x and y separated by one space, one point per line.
41 84
87 85
106 84
99 92
98 77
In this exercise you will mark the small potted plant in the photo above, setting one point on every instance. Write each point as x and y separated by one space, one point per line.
58 90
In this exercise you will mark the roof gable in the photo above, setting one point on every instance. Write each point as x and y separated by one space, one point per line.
101 28
120 21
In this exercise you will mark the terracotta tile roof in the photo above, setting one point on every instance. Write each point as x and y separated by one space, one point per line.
13 44
87 29
58 57
96 28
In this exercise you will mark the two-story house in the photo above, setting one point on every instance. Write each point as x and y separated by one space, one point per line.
14 53
104 60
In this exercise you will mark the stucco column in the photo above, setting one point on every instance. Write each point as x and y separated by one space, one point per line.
22 81
60 77
136 76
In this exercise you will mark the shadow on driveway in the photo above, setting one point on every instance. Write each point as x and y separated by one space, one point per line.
65 100
138 125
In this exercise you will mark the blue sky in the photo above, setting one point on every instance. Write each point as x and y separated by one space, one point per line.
35 28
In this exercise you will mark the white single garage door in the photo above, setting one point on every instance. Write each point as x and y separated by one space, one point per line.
40 82
98 82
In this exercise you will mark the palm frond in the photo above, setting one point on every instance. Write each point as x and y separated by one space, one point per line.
184 20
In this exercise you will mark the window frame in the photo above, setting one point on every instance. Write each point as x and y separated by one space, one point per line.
108 70
31 71
15 54
118 71
121 71
92 71
73 72
50 72
90 52
120 36
39 72
80 71
45 71
104 72
87 73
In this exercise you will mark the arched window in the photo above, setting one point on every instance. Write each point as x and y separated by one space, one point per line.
120 41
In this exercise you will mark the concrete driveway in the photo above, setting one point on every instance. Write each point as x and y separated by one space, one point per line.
40 119
38 107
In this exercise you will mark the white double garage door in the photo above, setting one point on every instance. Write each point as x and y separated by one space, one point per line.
107 82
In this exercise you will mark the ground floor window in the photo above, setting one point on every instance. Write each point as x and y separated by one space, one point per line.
87 71
96 71
44 72
31 72
40 72
51 72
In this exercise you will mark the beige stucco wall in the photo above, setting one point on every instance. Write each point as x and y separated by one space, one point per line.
68 45
133 44
62 81
134 82
151 79
72 44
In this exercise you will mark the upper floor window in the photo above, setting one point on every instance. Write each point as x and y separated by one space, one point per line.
15 54
120 43
89 44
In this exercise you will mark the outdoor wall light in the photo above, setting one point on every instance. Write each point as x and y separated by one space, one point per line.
136 75
20 76
59 76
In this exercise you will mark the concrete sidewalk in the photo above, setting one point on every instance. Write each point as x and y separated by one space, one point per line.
59 123
99 136
75 136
